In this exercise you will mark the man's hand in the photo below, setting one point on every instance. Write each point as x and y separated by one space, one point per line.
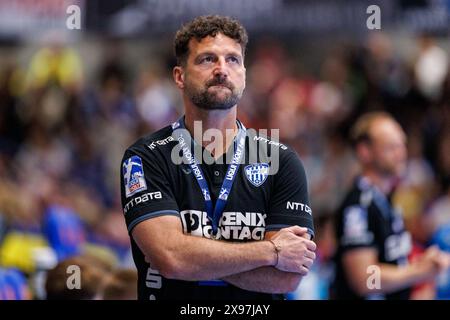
295 252
441 261
445 261
433 262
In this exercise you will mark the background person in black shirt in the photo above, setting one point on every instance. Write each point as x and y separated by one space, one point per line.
372 240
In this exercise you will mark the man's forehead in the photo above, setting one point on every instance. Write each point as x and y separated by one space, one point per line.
386 129
217 42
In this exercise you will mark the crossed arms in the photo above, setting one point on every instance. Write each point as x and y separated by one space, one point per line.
254 266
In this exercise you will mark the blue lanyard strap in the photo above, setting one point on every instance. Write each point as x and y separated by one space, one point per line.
214 212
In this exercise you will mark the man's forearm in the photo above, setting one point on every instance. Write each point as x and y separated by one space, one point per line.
194 258
396 278
265 279
179 256
392 278
185 257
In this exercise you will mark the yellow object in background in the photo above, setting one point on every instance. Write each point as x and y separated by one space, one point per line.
60 65
16 250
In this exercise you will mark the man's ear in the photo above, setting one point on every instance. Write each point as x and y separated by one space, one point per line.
178 76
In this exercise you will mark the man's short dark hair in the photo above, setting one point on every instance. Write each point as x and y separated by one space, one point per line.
204 26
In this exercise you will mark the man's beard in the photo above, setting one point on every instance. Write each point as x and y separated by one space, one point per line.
396 171
207 100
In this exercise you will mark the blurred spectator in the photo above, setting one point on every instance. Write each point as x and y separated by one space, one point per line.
385 72
121 285
12 127
111 112
431 67
156 97
91 278
373 245
42 153
331 99
64 231
331 172
16 250
57 64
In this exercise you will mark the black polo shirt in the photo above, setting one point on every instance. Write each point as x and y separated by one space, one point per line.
367 219
153 185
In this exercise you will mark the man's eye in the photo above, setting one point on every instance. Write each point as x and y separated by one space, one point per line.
207 59
233 59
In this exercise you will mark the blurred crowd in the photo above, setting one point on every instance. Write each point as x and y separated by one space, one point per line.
65 125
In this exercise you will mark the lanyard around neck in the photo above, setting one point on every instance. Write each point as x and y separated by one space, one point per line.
184 139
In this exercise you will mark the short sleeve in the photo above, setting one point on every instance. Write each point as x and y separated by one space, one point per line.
356 232
289 202
145 189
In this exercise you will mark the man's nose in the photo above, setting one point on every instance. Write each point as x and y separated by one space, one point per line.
220 69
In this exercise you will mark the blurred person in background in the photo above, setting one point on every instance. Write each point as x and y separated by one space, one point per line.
62 282
257 248
431 67
120 285
370 231
55 64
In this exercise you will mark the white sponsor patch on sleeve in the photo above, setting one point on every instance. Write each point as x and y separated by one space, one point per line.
133 175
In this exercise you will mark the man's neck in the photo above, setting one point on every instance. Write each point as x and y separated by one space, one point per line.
385 184
222 122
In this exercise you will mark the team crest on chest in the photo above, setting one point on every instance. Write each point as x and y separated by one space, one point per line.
257 173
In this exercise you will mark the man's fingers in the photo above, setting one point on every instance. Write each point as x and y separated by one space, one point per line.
308 263
444 260
303 270
310 255
432 251
447 258
299 231
310 245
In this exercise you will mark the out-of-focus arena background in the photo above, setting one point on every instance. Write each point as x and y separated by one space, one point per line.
71 101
